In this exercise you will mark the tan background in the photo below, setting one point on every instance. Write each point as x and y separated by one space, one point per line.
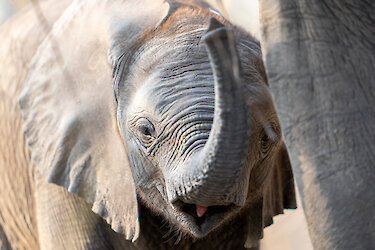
241 12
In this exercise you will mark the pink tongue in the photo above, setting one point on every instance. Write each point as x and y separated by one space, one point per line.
201 210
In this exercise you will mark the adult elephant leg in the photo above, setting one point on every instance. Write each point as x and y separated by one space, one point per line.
66 221
320 62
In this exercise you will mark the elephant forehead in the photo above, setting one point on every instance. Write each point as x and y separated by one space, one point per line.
141 99
174 89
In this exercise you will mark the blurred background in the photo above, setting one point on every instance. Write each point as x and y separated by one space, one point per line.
8 7
241 12
289 231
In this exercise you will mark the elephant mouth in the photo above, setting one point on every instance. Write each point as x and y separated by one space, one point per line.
200 226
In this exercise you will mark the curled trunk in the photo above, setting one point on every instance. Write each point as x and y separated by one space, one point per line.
210 176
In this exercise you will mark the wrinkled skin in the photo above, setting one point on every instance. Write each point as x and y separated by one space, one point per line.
167 125
320 62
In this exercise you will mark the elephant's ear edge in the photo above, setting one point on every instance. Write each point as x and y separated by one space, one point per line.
69 123
280 194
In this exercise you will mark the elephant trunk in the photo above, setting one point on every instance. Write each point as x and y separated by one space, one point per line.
210 178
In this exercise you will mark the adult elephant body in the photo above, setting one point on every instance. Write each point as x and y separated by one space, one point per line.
152 116
320 64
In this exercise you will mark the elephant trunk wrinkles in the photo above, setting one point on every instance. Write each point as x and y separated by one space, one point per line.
210 177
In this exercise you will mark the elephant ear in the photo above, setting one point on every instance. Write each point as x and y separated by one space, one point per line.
68 108
278 194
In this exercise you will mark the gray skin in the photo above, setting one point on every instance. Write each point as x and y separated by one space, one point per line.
139 116
320 62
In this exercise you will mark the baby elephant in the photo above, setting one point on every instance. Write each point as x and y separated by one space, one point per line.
149 125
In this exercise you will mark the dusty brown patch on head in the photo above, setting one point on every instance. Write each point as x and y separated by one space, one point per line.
189 14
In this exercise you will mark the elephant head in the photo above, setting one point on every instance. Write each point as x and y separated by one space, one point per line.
180 119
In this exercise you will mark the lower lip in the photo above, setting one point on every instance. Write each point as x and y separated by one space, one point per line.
201 226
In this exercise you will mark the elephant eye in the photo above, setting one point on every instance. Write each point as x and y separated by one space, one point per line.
264 139
268 139
145 130
265 143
